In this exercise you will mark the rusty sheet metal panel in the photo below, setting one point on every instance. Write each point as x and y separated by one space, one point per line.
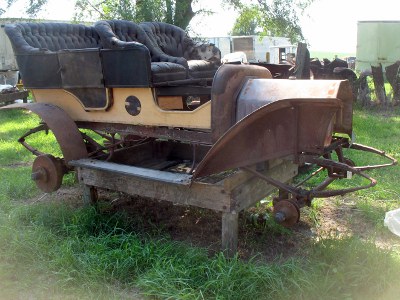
281 128
64 128
258 92
226 86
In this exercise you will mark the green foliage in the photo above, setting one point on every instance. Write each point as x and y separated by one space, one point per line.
271 18
35 6
95 249
330 55
109 9
281 18
178 12
32 9
12 152
379 128
16 183
248 21
350 268
275 18
313 211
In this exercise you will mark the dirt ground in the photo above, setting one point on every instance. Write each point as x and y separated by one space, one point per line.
335 217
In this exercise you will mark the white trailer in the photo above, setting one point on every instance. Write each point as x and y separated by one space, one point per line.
377 42
257 48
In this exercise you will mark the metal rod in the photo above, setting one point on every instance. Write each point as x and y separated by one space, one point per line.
281 185
21 140
318 192
309 177
194 160
375 151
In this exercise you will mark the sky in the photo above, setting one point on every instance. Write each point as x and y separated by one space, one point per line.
330 25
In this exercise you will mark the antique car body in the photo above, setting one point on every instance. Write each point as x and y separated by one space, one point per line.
159 99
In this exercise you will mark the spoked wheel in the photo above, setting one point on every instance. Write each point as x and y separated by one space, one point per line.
286 213
47 172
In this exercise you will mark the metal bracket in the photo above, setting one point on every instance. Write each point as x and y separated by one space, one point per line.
305 196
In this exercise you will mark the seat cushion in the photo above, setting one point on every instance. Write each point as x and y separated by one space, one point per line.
166 71
202 68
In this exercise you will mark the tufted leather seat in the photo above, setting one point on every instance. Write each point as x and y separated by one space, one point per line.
44 53
41 37
120 34
202 60
109 54
60 56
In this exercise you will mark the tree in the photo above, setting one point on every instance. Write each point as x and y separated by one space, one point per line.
177 12
271 17
32 8
268 17
248 22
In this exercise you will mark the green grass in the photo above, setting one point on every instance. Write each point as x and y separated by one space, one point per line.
51 250
379 128
330 55
98 250
14 123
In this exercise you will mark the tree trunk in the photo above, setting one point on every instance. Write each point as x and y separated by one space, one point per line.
183 13
169 17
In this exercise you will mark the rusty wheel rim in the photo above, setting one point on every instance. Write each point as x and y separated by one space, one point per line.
286 213
47 172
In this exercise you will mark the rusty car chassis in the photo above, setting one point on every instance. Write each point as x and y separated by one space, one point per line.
177 139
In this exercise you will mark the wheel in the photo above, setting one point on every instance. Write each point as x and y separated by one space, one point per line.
47 172
286 213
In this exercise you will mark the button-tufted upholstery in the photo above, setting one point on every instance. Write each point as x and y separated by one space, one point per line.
41 52
173 41
120 34
34 37
121 52
166 43
61 56
170 39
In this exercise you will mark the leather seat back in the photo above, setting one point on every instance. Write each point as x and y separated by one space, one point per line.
33 37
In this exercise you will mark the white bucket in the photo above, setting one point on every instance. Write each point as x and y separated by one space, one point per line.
392 221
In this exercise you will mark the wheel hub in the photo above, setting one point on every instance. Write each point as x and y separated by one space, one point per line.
286 213
47 172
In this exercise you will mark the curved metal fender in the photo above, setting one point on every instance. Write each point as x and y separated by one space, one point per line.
64 128
281 128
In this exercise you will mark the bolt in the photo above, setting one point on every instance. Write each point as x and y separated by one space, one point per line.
280 217
40 174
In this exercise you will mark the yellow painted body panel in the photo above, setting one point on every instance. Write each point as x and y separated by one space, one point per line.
150 115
